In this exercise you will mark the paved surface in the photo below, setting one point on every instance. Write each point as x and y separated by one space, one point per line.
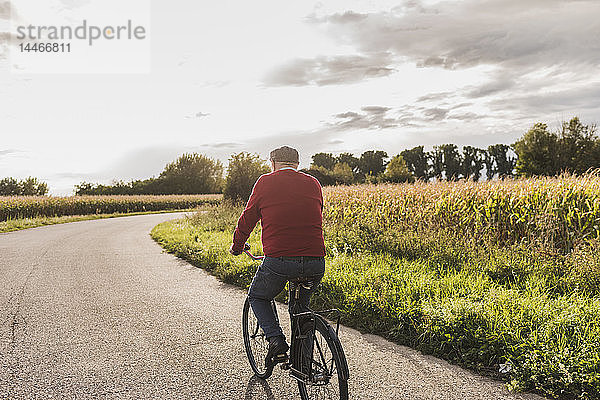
95 309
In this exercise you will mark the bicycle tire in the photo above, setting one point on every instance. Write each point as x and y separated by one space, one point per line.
255 343
328 359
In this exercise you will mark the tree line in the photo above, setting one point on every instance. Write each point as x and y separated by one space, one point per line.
190 174
573 148
443 162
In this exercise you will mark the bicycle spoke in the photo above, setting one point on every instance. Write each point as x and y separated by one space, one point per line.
322 356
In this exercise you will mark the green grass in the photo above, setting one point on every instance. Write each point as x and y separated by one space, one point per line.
471 301
26 223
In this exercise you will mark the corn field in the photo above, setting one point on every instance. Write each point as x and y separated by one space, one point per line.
19 207
559 212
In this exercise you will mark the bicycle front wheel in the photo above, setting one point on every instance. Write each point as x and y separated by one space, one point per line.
321 361
255 342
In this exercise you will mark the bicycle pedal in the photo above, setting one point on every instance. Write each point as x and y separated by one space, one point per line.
280 358
284 366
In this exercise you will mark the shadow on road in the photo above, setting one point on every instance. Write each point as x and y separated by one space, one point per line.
258 389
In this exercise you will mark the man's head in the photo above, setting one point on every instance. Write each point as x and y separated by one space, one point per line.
284 157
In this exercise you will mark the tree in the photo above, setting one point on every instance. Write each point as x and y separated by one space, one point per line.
436 156
192 174
537 152
26 187
416 162
490 167
32 187
578 146
372 162
9 187
350 160
504 162
397 171
325 160
342 174
451 160
472 162
322 174
84 188
243 171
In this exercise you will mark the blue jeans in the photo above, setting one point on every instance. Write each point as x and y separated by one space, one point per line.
270 279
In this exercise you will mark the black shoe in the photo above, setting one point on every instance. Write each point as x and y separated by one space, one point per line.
277 351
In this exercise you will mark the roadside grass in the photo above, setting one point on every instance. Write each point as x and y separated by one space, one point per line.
26 223
464 298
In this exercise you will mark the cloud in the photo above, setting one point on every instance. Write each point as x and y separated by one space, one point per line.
333 70
435 114
406 116
227 145
375 109
346 17
371 117
199 114
6 39
8 152
501 82
468 116
572 100
519 41
5 10
435 96
463 34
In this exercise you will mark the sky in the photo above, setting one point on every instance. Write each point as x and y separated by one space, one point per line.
332 76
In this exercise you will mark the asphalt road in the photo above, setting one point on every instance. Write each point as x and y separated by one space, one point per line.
95 309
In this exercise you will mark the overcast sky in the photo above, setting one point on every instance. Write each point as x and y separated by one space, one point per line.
332 76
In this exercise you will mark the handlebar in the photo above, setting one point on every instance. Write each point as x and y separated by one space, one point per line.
252 256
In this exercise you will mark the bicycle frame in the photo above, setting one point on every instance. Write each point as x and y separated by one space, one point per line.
295 316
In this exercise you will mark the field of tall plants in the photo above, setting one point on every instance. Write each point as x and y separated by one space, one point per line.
20 207
500 277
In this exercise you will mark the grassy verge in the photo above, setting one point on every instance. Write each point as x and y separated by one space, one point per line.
26 223
485 306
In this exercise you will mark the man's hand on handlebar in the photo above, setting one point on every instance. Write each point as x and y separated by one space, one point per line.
237 253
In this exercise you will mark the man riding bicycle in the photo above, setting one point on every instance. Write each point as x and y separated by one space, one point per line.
289 205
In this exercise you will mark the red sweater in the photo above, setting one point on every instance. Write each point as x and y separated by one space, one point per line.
290 206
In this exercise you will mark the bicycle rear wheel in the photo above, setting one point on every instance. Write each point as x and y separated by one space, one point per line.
255 342
320 358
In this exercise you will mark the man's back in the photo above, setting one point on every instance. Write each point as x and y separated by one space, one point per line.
290 204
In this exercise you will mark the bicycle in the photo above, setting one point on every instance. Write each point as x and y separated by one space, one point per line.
316 359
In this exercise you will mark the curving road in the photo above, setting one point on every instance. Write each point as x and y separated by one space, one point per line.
95 309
